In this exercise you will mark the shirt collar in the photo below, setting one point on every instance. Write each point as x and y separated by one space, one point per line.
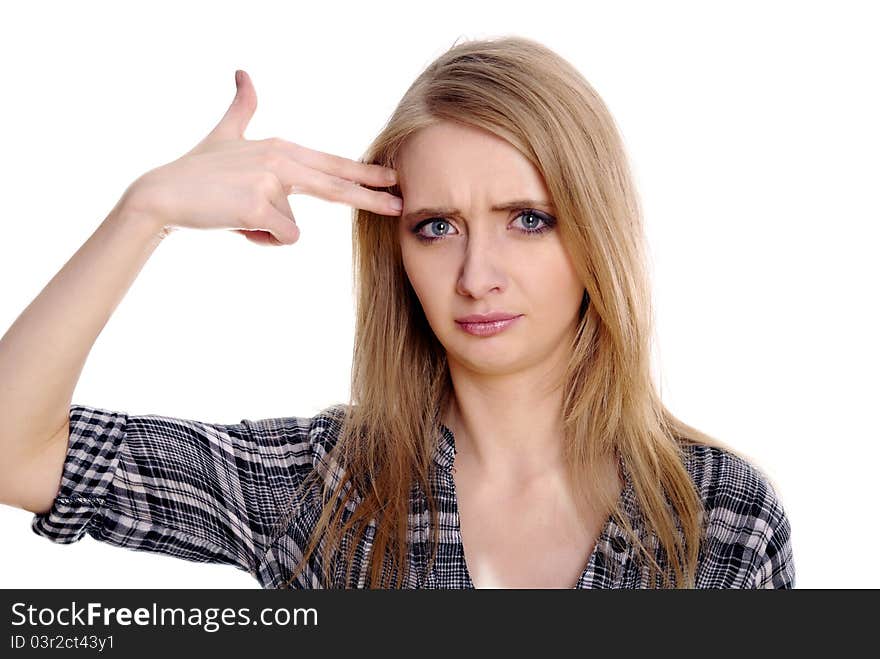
444 452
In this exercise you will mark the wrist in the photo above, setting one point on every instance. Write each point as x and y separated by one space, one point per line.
131 209
138 219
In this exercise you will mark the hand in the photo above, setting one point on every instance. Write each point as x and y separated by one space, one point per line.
228 182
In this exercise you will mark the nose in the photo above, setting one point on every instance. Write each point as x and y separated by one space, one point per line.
483 268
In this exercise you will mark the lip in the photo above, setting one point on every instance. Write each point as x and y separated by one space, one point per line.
487 317
488 328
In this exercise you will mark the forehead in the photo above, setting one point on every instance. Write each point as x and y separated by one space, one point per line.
452 163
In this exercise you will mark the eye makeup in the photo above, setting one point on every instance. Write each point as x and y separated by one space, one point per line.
548 222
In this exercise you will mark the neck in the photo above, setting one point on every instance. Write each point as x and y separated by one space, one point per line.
506 427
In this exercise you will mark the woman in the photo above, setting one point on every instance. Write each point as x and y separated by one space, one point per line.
527 452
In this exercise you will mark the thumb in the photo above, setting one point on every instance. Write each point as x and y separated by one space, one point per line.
238 116
281 232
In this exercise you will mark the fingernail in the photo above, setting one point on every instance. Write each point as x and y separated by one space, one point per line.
397 204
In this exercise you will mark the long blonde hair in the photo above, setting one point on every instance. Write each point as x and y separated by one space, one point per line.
528 95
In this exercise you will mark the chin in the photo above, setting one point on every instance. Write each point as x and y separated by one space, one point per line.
495 360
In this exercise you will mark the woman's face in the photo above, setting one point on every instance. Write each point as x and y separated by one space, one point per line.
483 259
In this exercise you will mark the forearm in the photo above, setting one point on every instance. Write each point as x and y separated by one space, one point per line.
42 354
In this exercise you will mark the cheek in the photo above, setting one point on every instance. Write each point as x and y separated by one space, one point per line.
410 266
554 287
425 279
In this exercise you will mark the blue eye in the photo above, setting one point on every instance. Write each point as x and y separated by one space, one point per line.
542 221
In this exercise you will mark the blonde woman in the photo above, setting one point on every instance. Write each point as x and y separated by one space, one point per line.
503 428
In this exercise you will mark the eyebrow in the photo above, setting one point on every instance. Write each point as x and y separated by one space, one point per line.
517 203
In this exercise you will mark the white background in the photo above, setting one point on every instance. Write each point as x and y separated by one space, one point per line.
752 131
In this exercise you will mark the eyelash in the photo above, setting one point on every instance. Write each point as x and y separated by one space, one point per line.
549 223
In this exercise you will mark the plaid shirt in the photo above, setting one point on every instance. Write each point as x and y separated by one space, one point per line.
215 493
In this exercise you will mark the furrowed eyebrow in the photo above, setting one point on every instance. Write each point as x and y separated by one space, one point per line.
510 205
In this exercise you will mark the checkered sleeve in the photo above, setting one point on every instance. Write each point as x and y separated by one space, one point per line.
748 535
198 491
774 564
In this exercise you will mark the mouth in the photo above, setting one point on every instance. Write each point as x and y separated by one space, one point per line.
487 317
488 328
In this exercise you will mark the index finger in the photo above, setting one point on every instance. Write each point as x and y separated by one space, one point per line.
352 170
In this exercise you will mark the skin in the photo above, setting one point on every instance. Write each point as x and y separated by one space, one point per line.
224 182
505 416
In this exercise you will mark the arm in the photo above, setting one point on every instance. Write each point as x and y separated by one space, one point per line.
748 535
224 182
42 354
205 492
774 566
